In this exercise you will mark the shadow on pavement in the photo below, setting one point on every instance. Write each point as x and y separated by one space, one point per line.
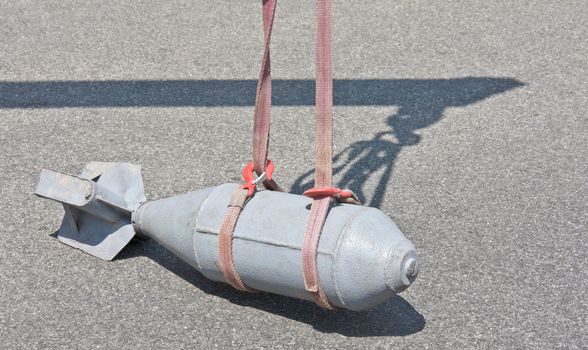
393 318
420 103
414 95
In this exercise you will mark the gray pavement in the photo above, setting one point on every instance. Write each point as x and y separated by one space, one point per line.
464 120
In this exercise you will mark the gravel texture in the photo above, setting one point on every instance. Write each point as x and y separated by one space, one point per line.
464 120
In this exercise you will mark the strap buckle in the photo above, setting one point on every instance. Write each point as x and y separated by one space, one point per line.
343 196
251 182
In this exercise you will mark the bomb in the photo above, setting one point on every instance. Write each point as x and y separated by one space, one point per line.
363 259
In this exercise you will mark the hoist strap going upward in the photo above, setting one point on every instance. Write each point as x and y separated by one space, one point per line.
261 130
324 152
323 192
263 99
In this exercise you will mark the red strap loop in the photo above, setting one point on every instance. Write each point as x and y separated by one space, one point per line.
322 192
329 192
249 176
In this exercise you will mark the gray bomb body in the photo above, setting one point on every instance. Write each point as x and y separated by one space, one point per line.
363 258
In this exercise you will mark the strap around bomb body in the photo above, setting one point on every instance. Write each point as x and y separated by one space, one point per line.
323 193
261 133
321 202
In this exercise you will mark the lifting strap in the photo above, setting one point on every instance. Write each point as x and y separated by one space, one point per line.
321 203
323 193
263 99
261 165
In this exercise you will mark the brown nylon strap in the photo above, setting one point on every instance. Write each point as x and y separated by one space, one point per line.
225 239
263 99
324 153
318 213
261 131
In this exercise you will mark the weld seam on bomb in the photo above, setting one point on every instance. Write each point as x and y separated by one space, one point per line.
272 243
194 224
193 230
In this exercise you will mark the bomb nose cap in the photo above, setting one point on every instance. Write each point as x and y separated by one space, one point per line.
411 270
402 266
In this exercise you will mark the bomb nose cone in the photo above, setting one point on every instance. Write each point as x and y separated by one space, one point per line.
402 267
373 260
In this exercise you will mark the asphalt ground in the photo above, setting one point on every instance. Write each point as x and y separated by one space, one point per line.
465 121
